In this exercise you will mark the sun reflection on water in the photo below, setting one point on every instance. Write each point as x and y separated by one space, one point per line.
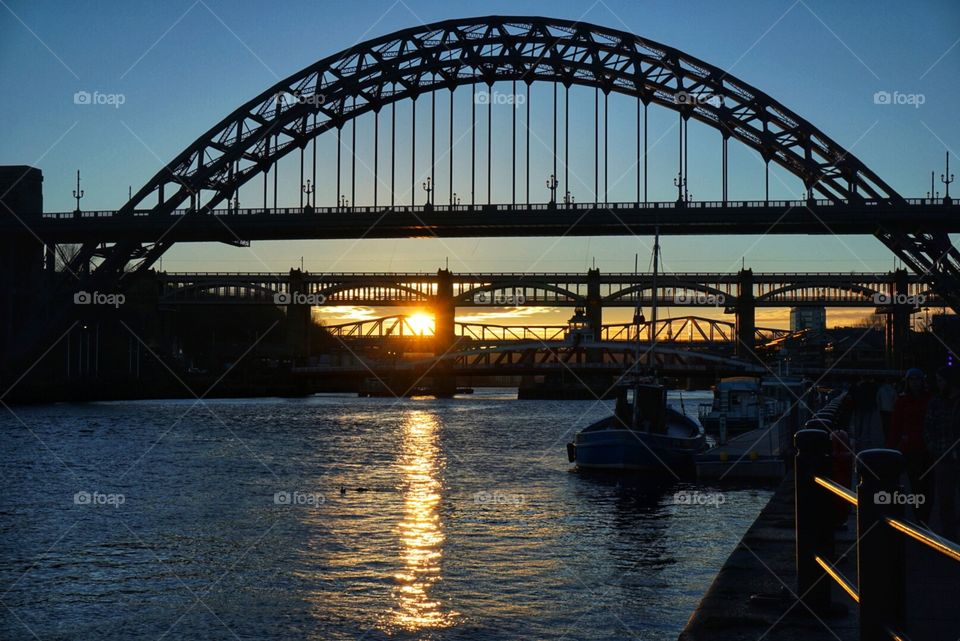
421 533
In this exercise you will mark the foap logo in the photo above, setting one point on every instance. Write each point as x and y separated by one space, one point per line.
897 98
97 498
97 98
308 499
712 499
99 298
898 498
701 98
914 300
499 98
684 297
290 98
513 298
498 498
298 298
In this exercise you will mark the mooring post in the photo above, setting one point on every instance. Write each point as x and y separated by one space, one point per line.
881 561
814 531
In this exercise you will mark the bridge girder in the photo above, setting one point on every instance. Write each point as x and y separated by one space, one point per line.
483 50
444 55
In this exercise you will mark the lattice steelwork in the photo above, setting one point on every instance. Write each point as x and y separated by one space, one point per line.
500 290
444 55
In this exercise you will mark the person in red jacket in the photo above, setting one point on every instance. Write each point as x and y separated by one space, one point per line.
842 454
906 435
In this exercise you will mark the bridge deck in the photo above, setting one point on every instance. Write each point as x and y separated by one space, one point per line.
581 219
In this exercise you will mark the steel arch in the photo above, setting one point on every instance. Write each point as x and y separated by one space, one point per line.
451 53
466 297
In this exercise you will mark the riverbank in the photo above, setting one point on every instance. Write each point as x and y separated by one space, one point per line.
764 564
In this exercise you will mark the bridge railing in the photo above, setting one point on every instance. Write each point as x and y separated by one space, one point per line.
440 208
883 532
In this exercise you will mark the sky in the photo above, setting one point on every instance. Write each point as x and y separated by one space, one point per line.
172 70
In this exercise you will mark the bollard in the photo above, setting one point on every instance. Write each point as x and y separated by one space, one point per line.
818 423
881 561
814 529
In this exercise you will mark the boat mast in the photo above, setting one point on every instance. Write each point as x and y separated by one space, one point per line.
653 307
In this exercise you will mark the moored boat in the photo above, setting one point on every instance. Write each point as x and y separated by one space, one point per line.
643 435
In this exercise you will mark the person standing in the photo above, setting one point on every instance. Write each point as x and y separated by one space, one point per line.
886 399
941 432
865 428
906 435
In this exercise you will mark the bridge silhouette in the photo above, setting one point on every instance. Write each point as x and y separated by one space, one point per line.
197 196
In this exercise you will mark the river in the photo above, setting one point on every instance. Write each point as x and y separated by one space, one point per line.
333 517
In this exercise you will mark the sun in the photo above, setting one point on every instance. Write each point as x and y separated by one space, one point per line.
421 323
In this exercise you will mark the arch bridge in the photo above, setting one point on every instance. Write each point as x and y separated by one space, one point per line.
197 196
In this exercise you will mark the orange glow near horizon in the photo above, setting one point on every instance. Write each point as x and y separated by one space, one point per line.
421 323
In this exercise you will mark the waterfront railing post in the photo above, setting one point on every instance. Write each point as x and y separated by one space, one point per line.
814 531
881 561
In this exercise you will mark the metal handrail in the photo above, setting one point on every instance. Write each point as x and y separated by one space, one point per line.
927 538
365 209
882 581
837 489
841 580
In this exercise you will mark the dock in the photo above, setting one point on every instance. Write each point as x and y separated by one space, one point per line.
804 570
755 455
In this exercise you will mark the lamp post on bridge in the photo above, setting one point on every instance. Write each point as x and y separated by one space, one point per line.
455 200
933 193
681 184
428 187
308 189
552 186
946 179
568 198
344 202
78 193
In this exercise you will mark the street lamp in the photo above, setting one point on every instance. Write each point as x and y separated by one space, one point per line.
568 198
308 189
344 202
552 186
78 193
946 179
428 187
681 184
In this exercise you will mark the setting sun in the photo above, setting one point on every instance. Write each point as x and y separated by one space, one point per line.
420 323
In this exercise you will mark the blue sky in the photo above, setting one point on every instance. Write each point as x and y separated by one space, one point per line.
181 66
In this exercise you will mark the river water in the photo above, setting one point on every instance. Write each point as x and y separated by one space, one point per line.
334 517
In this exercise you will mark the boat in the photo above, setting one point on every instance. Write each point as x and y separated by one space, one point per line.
643 434
744 402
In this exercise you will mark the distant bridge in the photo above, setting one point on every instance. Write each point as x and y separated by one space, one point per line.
693 331
197 195
518 289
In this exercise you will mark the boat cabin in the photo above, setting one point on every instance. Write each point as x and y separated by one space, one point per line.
643 407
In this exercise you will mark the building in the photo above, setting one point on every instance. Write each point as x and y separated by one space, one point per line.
814 318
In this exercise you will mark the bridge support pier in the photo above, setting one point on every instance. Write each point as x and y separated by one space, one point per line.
21 257
746 315
898 322
444 315
298 318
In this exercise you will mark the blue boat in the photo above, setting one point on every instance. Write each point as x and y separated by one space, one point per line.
643 435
